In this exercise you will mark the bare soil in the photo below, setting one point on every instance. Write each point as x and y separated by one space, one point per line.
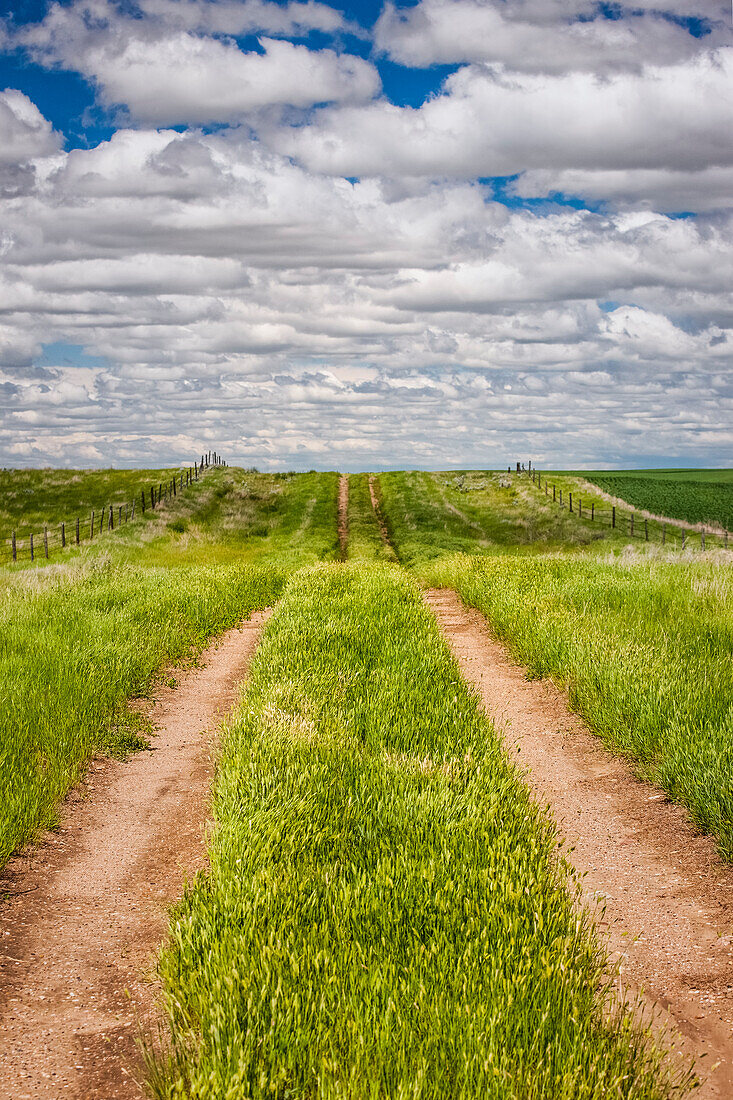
665 896
343 520
85 911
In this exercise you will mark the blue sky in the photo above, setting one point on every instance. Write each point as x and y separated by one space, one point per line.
360 236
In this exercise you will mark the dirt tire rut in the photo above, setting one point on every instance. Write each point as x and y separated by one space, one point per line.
668 897
86 909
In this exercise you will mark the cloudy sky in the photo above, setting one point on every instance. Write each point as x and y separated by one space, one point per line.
442 233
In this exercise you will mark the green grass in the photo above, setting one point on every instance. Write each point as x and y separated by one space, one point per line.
386 914
644 646
697 496
365 538
476 512
83 633
77 643
33 499
230 514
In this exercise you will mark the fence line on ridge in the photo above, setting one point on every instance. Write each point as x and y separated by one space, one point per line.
110 518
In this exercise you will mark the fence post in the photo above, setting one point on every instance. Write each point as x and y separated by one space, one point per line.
45 541
174 488
132 510
631 528
119 515
684 538
580 508
101 521
77 530
91 526
31 546
160 491
613 516
152 497
15 549
725 540
561 498
664 533
646 530
554 497
702 540
593 511
63 535
111 520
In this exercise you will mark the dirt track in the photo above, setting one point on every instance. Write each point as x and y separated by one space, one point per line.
343 518
668 897
86 908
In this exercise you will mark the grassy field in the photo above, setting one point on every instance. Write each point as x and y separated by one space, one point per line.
697 496
81 635
432 514
386 914
33 499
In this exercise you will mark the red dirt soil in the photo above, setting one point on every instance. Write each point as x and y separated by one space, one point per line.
668 897
86 909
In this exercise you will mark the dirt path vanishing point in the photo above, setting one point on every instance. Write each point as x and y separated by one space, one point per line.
668 896
86 908
343 521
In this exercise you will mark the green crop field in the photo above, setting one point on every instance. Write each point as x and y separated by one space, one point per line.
386 912
697 496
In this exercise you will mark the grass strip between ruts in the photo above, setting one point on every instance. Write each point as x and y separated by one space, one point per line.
386 913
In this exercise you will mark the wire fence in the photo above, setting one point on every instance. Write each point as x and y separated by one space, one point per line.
32 545
631 523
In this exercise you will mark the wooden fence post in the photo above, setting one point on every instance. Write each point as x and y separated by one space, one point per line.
31 540
553 494
570 499
646 530
101 521
613 516
593 511
45 541
152 497
684 538
111 520
702 540
725 540
91 526
561 498
631 528
77 530
664 533
160 491
15 548
142 497
580 508
63 535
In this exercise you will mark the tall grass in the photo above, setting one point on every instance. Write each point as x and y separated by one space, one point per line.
645 648
80 636
76 642
386 914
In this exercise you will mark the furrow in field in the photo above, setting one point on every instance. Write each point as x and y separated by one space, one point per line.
86 909
668 897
